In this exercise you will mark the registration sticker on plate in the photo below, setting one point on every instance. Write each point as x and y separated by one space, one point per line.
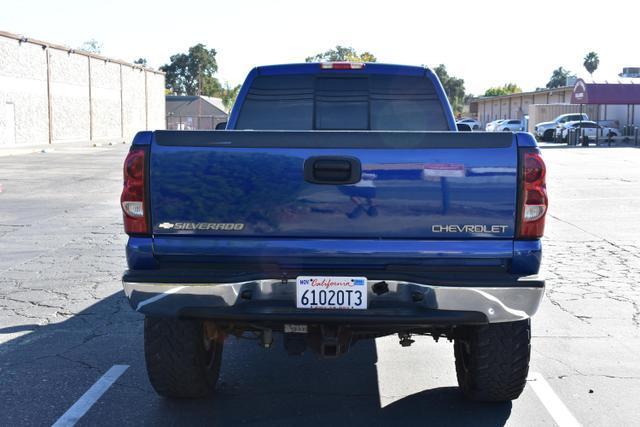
331 292
295 329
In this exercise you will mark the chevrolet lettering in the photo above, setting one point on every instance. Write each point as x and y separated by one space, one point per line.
469 228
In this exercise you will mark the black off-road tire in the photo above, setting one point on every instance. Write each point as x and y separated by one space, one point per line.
181 363
492 361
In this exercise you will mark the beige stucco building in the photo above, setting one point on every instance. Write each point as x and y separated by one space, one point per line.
547 104
516 106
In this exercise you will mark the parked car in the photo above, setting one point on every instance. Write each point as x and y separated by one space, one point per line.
546 131
473 124
392 223
510 126
589 129
491 126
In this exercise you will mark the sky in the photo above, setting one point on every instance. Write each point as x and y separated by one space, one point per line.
487 43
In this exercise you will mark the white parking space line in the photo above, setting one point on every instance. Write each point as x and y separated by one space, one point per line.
558 411
91 396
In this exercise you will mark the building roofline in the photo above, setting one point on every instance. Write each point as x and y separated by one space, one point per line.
48 45
182 96
205 98
511 95
185 100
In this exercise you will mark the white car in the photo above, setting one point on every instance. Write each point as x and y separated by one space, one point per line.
589 129
545 131
510 126
473 124
491 126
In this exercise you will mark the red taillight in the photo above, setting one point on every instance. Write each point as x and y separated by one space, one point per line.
341 65
132 199
533 195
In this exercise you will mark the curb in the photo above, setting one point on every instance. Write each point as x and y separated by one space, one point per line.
57 147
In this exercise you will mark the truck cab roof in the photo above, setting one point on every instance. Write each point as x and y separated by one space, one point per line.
338 67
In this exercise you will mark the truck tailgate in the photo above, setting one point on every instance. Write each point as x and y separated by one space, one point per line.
411 185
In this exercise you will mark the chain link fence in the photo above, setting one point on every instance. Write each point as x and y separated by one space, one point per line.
193 122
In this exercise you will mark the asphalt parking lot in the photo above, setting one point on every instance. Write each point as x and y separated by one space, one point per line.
64 321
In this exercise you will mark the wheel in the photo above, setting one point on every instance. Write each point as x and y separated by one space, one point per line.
492 361
548 135
181 361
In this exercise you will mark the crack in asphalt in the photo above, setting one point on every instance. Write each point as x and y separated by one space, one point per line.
76 361
134 387
593 270
613 377
600 238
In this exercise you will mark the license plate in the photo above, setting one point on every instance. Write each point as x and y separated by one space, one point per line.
331 292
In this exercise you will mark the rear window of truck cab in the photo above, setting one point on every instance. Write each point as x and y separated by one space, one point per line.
336 102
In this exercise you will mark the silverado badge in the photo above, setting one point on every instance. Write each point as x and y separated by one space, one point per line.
216 226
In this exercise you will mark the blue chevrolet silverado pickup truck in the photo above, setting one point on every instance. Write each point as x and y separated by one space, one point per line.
340 204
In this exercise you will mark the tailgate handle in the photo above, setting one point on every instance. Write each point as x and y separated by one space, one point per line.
332 170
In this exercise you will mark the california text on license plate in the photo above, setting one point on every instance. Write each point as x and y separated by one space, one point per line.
331 292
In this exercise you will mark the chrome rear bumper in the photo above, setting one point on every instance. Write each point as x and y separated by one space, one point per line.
404 302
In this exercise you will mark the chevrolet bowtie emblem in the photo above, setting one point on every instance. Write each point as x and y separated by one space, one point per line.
166 225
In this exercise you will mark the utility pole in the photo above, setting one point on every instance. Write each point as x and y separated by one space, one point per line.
199 96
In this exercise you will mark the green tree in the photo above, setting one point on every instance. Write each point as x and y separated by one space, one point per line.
506 89
453 87
591 62
141 61
366 57
192 73
229 95
559 78
342 53
93 46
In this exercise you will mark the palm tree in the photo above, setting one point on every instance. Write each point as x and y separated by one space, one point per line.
591 62
229 95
